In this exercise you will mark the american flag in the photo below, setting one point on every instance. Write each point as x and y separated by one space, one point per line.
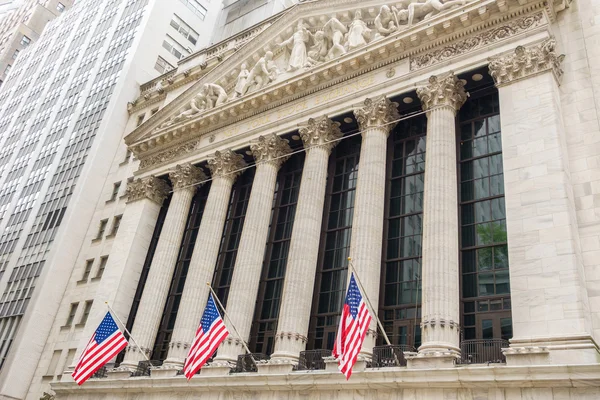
106 343
354 323
210 334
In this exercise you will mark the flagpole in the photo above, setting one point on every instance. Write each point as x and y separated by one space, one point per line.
351 266
231 323
126 331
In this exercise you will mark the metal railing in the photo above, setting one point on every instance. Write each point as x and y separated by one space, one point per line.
143 368
390 355
246 364
101 373
312 360
482 351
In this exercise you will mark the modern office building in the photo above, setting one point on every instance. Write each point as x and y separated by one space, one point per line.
63 114
21 24
451 149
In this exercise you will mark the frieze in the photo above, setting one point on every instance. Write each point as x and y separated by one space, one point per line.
471 43
170 154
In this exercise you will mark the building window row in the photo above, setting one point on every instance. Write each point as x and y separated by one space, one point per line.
175 48
182 27
196 8
104 224
89 264
87 307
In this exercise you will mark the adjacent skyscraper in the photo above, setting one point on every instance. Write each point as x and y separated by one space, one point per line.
63 112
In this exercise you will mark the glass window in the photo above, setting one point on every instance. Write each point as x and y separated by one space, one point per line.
101 267
115 191
72 312
86 312
87 270
60 7
25 41
184 29
15 54
162 65
116 224
101 229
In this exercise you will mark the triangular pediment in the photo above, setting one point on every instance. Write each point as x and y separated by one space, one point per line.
285 58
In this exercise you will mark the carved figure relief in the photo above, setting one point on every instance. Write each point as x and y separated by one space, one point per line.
297 43
386 22
359 34
241 80
430 8
210 96
263 73
318 52
335 31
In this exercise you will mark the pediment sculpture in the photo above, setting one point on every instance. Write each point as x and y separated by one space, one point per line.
307 49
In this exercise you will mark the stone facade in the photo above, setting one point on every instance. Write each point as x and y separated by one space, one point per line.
520 77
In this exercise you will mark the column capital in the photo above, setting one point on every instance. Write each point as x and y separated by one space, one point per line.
320 131
150 188
445 90
270 149
377 112
186 176
525 62
226 164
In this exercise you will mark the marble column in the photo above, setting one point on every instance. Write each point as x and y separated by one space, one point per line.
441 99
550 295
376 118
319 138
184 178
225 168
269 152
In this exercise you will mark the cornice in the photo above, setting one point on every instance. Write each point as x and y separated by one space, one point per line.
159 148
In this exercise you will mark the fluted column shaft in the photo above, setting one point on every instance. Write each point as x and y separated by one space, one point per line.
440 273
376 118
159 278
296 302
268 152
225 168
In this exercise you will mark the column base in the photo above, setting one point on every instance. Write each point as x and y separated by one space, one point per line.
122 372
277 367
431 360
164 371
332 364
564 350
217 368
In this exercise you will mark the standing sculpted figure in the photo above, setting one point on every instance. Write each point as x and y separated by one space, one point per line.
334 31
297 43
241 80
359 33
261 74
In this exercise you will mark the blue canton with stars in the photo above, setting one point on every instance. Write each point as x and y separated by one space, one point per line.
353 297
107 327
210 314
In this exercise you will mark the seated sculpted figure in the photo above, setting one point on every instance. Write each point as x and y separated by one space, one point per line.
359 33
334 31
318 52
213 95
430 8
263 73
385 22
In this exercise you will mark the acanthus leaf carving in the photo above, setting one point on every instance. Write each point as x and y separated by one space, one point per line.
186 176
226 164
270 149
377 112
150 188
526 62
446 90
170 154
320 132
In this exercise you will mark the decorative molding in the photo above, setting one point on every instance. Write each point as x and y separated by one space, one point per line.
226 164
150 188
526 62
471 43
270 149
379 112
170 154
446 90
186 176
321 132
291 336
431 323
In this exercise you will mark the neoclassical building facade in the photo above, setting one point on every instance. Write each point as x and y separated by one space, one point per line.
447 152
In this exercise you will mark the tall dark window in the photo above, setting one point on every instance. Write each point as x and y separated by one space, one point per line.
484 254
232 234
167 323
330 282
262 336
400 303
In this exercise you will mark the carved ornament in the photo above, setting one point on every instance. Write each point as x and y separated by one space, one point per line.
150 188
170 154
320 132
226 164
446 90
377 112
270 149
291 336
525 62
186 176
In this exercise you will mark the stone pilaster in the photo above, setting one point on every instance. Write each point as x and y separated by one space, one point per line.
441 98
376 117
184 179
225 168
319 137
550 304
269 152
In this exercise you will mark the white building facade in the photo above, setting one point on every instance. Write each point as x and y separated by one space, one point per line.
63 115
449 149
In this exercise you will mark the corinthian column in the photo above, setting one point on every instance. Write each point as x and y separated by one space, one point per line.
319 137
184 178
376 118
225 168
269 152
441 99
